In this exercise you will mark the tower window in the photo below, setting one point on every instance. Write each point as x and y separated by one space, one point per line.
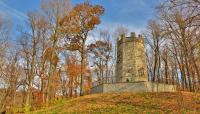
141 72
127 80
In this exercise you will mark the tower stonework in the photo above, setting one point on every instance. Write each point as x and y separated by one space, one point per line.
131 60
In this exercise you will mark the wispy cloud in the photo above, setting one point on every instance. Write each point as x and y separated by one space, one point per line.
133 14
11 12
112 26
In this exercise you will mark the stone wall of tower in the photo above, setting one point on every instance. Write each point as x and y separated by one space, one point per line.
119 61
131 59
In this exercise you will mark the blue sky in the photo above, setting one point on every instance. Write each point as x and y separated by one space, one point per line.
133 14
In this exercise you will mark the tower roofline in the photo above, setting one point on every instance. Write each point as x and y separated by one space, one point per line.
130 38
132 35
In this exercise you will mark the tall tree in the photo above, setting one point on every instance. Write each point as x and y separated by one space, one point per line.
81 20
178 20
154 40
101 54
54 11
73 72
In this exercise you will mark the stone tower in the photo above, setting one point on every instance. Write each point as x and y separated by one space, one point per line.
131 59
131 67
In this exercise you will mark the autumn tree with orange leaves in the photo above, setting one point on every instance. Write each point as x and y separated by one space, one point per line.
73 72
76 26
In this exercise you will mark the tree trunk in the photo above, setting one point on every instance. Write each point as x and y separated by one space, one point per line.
82 66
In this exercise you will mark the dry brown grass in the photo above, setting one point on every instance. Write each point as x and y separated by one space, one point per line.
128 103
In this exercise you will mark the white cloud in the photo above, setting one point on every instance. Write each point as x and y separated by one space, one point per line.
112 26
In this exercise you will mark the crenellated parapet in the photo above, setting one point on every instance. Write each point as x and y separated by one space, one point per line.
123 39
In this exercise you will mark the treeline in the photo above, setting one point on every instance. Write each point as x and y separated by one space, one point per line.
52 57
173 44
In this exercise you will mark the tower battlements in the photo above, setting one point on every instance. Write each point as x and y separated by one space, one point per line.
131 59
123 39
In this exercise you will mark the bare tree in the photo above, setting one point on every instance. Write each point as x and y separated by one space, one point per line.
54 11
154 40
101 52
178 22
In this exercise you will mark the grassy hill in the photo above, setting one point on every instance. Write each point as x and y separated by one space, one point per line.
128 103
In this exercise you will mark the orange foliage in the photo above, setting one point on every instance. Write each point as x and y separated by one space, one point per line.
87 82
72 67
37 98
82 17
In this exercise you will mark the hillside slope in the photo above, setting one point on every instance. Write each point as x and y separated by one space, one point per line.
128 103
